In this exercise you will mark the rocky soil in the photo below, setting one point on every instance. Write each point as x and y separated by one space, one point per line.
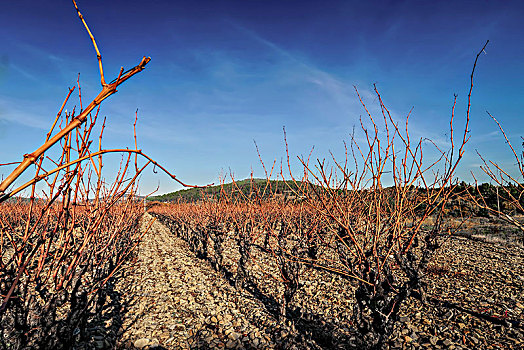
178 301
170 299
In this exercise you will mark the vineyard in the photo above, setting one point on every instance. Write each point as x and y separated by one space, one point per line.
383 248
289 261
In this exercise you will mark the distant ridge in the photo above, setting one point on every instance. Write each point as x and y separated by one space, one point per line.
239 189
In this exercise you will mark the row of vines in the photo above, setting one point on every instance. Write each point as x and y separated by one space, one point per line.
67 231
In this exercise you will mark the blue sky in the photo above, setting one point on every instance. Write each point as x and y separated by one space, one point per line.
225 73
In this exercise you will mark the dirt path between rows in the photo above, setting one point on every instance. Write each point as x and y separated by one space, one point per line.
174 300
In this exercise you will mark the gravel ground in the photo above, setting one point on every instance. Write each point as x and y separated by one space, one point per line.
178 301
171 299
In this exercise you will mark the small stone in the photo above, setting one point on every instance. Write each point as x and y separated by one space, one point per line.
408 339
433 340
230 344
141 343
412 327
234 335
209 339
446 342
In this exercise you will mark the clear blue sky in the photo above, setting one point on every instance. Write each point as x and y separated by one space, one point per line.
225 73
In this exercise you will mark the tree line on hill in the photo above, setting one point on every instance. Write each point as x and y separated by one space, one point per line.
467 199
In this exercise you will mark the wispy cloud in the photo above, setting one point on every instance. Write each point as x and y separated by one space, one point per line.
24 72
37 51
38 64
10 113
26 119
336 88
342 92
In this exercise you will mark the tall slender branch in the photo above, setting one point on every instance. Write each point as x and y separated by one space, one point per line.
107 90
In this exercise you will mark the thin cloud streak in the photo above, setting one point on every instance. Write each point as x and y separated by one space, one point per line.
340 91
22 117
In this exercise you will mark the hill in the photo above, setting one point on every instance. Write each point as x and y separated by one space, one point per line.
239 189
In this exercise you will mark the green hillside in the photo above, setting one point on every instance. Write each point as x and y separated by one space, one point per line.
239 190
